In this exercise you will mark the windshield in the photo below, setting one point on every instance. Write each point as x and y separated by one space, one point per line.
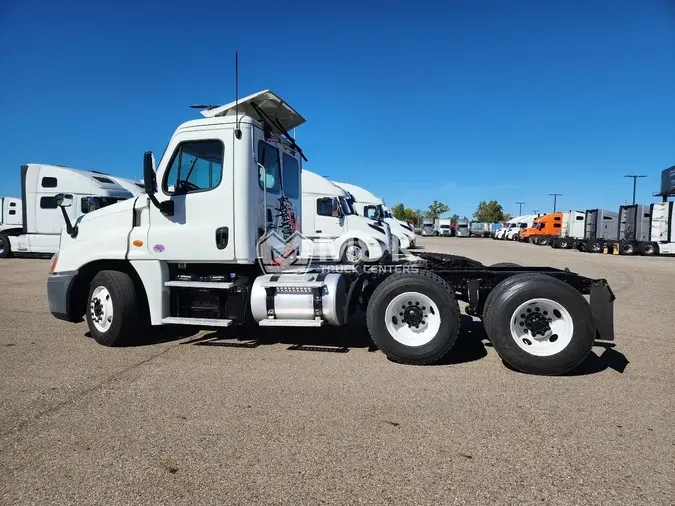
90 204
462 225
346 208
350 204
445 226
428 225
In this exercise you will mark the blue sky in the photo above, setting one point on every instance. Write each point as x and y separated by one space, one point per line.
416 101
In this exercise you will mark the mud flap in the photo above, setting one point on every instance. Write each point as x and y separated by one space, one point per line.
602 307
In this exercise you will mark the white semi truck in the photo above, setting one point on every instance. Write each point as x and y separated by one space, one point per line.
367 204
336 231
187 253
443 227
428 227
10 212
39 229
462 228
572 230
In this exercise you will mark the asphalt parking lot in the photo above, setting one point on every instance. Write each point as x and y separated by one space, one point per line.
323 418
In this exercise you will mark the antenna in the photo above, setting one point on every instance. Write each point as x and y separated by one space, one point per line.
237 131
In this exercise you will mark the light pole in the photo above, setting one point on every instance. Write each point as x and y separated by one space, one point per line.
535 211
555 199
520 208
635 177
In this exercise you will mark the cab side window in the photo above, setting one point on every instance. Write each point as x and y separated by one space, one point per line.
196 166
291 177
370 211
324 206
269 174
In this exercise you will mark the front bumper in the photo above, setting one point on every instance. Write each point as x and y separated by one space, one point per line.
59 287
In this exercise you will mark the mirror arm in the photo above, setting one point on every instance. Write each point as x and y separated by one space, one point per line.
72 230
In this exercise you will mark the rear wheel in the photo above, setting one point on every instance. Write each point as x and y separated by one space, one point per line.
563 243
539 324
113 308
649 249
5 247
627 248
543 241
413 317
594 246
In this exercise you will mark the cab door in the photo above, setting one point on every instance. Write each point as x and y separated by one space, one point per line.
196 175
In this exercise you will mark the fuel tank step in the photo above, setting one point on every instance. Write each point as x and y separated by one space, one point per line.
274 322
199 284
199 322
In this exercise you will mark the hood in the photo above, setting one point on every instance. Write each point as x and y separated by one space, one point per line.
123 206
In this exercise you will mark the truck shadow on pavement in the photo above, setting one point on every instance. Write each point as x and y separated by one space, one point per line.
470 346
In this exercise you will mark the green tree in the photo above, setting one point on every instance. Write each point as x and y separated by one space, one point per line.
436 209
489 212
454 218
398 211
410 215
507 217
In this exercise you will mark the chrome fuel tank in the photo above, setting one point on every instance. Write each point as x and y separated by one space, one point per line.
292 297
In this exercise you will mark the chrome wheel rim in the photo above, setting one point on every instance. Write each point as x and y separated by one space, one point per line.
101 309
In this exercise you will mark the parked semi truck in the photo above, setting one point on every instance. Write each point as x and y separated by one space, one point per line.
335 230
39 229
600 225
367 204
505 227
444 227
480 229
543 229
428 227
522 223
573 227
462 228
187 253
10 212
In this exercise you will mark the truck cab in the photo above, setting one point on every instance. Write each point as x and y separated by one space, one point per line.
38 231
543 229
336 231
428 227
368 205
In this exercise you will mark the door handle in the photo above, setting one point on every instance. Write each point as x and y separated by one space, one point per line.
222 237
318 231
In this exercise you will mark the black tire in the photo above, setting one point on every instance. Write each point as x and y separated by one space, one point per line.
543 241
554 243
126 317
426 283
5 247
627 248
594 246
508 295
359 244
564 243
649 249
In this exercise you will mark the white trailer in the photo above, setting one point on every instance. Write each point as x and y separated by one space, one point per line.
39 229
367 204
188 253
337 233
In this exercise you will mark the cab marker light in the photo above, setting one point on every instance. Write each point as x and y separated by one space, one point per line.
53 262
138 243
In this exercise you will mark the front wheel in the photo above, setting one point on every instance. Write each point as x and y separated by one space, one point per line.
355 252
413 318
112 312
539 324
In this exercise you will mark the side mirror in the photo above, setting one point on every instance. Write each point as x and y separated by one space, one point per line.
64 200
149 175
